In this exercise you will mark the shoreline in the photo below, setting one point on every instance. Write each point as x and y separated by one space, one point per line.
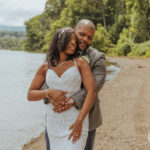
125 109
35 143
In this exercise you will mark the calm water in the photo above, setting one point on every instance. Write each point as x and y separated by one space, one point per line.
20 120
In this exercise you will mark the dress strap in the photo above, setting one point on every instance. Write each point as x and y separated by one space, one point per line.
75 64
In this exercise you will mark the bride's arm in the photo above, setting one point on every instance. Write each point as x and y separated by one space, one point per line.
90 86
34 92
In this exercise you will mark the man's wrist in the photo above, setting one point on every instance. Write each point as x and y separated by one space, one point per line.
71 101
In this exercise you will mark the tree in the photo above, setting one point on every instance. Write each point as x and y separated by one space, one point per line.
103 13
137 20
53 8
38 26
35 34
72 13
101 40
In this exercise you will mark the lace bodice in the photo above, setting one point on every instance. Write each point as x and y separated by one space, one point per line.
69 81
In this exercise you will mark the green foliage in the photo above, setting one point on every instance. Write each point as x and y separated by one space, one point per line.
127 24
101 39
79 9
53 8
73 11
147 54
124 43
117 28
12 40
124 49
38 27
138 21
11 43
14 34
141 49
54 27
35 34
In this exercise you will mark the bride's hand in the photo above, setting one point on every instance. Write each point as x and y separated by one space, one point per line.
76 130
56 96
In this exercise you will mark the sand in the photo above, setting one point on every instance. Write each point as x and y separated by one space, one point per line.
125 105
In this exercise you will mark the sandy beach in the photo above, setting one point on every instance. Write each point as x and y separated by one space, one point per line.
125 105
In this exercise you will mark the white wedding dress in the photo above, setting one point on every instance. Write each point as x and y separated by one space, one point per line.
58 123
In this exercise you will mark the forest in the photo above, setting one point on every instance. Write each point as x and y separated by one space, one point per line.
13 40
122 27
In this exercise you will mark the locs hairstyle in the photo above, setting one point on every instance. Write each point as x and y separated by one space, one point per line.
58 44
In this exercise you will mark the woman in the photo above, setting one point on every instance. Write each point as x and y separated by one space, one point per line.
64 72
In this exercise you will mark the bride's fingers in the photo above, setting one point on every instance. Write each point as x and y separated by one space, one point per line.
71 127
75 137
70 135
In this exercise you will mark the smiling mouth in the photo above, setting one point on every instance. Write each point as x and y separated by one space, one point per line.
72 48
82 44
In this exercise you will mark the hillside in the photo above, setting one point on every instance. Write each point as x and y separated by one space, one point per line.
12 28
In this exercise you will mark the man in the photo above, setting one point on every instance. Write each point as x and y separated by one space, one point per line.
84 30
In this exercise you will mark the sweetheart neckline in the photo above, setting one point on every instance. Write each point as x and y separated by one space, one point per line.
63 72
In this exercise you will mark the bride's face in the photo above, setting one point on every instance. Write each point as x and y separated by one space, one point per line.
71 47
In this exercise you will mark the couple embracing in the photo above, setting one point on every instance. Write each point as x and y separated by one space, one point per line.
73 73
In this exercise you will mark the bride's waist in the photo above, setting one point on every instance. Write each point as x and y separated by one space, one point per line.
68 114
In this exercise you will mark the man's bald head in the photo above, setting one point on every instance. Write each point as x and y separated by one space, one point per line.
86 23
84 31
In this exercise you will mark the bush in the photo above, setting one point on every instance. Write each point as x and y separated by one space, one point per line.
101 39
147 54
141 49
124 43
117 28
124 49
11 43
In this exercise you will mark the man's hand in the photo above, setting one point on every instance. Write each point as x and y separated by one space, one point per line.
63 105
56 96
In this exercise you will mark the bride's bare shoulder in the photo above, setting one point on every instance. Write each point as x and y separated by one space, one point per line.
81 61
43 68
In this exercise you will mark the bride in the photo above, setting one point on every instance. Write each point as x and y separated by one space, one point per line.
62 71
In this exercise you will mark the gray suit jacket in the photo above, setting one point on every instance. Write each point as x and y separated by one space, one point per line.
98 68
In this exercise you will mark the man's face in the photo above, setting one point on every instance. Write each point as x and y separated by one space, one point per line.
84 37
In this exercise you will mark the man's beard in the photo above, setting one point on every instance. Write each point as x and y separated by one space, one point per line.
78 47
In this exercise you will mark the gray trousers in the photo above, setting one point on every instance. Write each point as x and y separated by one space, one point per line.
89 142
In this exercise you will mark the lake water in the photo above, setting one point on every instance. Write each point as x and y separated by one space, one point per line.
20 120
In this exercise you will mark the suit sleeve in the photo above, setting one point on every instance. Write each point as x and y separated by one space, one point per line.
43 87
99 73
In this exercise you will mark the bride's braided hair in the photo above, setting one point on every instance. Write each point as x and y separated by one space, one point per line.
58 43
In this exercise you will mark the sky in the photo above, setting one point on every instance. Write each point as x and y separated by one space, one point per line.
16 12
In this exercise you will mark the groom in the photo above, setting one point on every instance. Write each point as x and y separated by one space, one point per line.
84 30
